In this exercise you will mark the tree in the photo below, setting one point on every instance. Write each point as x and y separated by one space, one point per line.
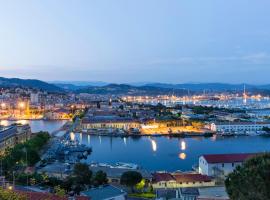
251 180
82 174
266 129
100 178
131 178
59 191
10 195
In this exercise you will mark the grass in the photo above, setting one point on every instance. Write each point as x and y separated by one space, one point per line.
143 195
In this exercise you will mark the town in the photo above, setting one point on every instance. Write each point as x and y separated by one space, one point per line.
62 158
134 100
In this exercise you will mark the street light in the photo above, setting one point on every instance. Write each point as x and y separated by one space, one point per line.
21 105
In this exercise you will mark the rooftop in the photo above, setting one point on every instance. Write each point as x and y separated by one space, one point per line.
191 178
104 192
158 177
227 158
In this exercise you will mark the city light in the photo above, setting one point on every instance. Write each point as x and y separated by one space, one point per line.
21 105
10 187
3 105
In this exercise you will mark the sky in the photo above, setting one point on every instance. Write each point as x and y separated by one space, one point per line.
122 41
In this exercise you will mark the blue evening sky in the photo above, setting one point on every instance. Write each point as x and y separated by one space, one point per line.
171 41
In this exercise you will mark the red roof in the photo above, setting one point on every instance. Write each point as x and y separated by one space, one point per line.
228 158
191 178
46 196
158 177
207 198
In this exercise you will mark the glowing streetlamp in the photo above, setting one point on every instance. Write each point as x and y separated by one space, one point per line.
21 105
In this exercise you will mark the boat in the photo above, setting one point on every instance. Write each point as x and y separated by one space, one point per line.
122 165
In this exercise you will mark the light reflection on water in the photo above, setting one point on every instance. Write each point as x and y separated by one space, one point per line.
154 145
182 156
183 145
164 153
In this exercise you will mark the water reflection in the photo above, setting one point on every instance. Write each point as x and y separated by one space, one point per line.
99 139
182 156
154 145
88 139
183 145
125 141
72 136
80 137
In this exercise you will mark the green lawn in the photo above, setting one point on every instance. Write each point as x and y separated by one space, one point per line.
143 195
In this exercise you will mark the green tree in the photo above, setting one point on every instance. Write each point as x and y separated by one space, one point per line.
10 195
100 178
130 179
251 180
82 174
59 191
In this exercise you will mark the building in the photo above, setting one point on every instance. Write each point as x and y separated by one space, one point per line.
42 195
220 165
181 180
12 135
7 138
114 174
239 127
34 98
107 192
205 193
109 122
58 114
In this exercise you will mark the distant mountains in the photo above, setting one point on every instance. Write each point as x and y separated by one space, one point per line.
210 86
118 89
133 89
29 83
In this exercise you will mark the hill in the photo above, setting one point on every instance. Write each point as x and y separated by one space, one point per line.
117 89
29 83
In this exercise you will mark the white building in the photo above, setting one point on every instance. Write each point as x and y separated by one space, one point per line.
34 98
221 164
239 126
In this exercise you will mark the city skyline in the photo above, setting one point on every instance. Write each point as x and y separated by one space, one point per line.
125 42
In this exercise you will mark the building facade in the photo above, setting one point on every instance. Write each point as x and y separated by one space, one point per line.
180 180
13 135
220 165
239 126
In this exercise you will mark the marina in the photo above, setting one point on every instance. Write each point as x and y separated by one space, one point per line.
165 153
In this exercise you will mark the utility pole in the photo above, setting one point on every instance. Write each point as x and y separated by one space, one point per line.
13 179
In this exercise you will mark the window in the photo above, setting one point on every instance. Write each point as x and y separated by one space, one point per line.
232 164
222 164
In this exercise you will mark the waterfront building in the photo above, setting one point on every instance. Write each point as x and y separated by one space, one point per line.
13 135
109 122
239 127
220 165
58 114
181 180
